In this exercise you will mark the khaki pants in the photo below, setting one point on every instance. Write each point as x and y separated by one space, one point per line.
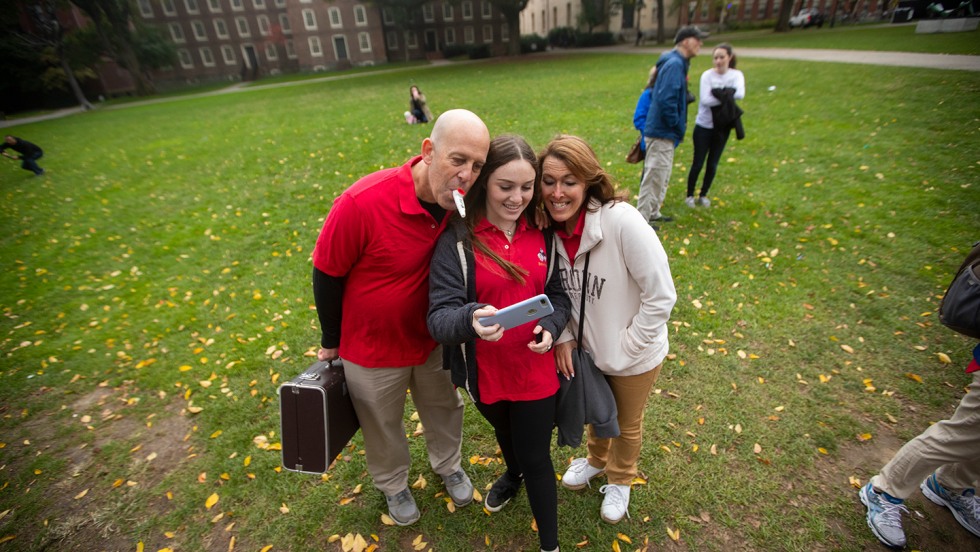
656 176
620 454
378 395
950 447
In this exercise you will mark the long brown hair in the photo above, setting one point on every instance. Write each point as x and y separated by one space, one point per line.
503 149
581 161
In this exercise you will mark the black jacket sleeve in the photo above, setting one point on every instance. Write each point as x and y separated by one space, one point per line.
328 294
450 309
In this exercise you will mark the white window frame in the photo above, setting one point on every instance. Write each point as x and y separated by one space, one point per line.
284 25
333 42
360 16
170 9
316 48
177 33
364 42
486 9
242 21
259 4
290 49
146 9
387 17
207 58
193 7
392 38
336 18
450 35
504 33
186 61
200 31
487 33
237 5
428 13
220 24
448 12
411 40
309 20
469 37
265 29
271 53
214 6
280 3
229 59
467 8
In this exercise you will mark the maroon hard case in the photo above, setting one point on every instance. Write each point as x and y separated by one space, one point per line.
317 417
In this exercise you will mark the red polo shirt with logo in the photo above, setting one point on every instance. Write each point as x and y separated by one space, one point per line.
380 239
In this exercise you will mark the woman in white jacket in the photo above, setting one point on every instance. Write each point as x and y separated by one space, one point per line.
629 296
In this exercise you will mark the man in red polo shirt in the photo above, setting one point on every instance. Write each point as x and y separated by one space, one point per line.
371 287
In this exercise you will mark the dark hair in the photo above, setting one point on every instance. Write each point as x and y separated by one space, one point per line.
652 78
503 149
582 161
731 53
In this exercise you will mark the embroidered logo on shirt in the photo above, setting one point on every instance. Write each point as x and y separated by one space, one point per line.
541 256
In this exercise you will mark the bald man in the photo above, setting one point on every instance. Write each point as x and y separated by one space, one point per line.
371 285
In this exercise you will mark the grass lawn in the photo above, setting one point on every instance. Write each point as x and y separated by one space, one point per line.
157 293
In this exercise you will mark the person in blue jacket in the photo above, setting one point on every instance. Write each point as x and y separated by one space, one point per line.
666 121
643 107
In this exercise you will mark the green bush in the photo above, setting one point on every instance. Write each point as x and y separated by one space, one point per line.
480 52
450 51
533 43
562 37
591 40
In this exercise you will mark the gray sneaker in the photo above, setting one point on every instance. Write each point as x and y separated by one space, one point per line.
703 201
459 487
965 506
884 516
402 509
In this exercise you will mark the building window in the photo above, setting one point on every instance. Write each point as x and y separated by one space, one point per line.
220 28
290 49
335 20
315 49
411 40
427 13
146 9
214 6
192 7
263 21
364 41
170 9
271 53
237 5
360 16
185 59
309 19
200 33
467 8
228 53
392 40
504 33
243 30
206 57
259 4
387 17
450 36
280 3
486 9
284 24
468 35
177 33
447 12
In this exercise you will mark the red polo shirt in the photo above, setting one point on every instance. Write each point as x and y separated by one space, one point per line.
380 239
507 369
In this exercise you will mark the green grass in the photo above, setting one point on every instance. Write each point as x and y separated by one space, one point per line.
178 235
891 38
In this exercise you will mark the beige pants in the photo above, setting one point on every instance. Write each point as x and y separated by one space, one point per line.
950 447
378 395
619 455
656 176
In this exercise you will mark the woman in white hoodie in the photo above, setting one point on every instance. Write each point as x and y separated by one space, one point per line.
629 294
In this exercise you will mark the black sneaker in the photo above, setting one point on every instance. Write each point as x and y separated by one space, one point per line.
503 489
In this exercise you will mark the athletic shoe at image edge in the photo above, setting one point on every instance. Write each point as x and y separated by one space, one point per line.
615 504
579 473
402 509
459 487
884 516
503 489
965 506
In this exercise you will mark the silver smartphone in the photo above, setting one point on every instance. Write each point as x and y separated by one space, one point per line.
520 313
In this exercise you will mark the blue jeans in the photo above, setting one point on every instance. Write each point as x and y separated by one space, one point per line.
29 162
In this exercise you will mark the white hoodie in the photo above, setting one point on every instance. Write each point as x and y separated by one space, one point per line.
630 292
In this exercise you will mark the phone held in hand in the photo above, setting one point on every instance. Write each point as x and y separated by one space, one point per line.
520 313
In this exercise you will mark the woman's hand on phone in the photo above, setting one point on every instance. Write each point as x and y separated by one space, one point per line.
486 333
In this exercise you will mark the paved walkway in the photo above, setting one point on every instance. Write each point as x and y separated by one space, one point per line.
898 59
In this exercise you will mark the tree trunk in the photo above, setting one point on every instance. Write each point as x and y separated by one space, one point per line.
514 28
661 38
782 23
73 83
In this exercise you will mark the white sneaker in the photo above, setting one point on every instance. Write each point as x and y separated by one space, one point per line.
578 474
689 201
704 201
616 503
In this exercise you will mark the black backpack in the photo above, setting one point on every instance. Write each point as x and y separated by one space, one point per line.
959 309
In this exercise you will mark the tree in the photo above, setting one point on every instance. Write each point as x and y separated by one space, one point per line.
512 12
47 36
785 11
117 30
406 15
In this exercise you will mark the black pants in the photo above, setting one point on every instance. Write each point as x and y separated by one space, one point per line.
709 144
523 430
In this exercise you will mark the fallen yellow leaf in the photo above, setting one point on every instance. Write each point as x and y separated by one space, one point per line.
675 535
211 501
944 358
